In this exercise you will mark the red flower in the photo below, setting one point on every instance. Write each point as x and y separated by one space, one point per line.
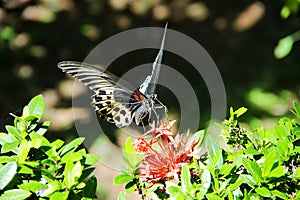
164 153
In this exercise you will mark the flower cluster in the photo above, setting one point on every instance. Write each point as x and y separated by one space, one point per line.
164 153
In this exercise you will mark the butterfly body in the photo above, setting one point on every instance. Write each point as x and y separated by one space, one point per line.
112 100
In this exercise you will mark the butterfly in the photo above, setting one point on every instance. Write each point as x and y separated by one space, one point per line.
113 100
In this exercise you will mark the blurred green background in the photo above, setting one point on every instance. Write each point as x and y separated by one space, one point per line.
240 36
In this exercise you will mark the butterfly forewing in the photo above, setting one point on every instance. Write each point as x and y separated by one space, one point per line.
111 99
149 85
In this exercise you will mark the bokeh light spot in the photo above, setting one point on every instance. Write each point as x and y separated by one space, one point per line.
249 17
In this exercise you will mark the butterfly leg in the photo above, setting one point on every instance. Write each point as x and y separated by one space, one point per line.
153 108
162 106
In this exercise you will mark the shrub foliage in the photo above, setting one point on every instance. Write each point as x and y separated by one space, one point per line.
256 164
32 167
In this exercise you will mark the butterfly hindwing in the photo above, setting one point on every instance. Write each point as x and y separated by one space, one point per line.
107 108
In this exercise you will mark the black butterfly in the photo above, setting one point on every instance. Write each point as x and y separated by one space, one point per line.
114 101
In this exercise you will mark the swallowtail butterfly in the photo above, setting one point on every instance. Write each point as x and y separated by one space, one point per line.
112 100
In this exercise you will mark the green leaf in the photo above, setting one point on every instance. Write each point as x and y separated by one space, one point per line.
24 169
123 178
297 109
90 189
297 173
25 111
226 169
39 139
231 113
271 157
234 185
205 183
77 170
13 131
71 147
57 144
198 136
42 128
69 178
15 194
37 105
7 172
175 192
24 149
186 179
213 197
130 156
85 173
277 172
91 159
13 147
213 149
283 47
240 111
5 159
279 194
247 179
72 157
130 187
216 161
53 185
36 143
33 186
253 168
6 138
263 191
62 195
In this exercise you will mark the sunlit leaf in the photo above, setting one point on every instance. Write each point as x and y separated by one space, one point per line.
186 178
24 149
175 192
32 186
277 172
122 178
253 168
205 183
69 178
279 194
72 146
37 105
59 195
213 197
15 194
213 149
7 172
13 131
77 170
263 191
91 159
269 162
240 111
